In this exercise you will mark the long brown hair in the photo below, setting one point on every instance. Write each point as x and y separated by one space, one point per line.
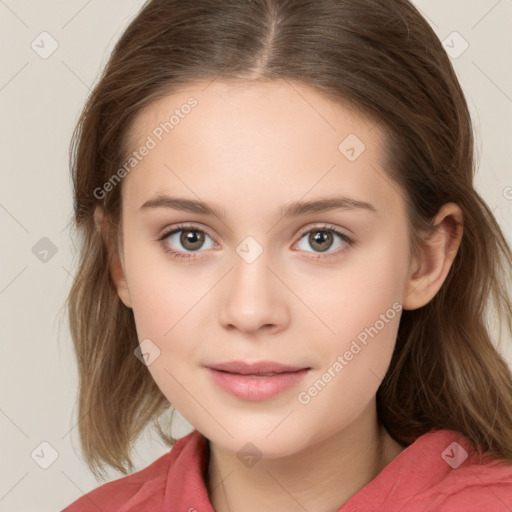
383 59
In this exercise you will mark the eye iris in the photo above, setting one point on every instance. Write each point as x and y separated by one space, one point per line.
319 237
195 238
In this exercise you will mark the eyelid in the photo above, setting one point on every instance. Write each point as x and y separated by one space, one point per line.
166 232
327 227
177 227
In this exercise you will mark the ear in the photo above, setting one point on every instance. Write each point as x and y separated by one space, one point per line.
428 272
116 267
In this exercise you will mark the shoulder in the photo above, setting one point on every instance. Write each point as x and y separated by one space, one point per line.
463 480
441 471
146 486
481 484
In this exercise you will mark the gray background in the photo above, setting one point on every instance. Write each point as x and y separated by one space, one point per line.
40 99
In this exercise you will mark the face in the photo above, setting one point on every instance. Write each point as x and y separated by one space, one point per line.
318 289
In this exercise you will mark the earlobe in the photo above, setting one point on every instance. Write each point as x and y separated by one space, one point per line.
429 270
115 265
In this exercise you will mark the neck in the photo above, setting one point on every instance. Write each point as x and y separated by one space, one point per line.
335 468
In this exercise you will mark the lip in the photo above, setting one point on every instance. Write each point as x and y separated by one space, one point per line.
256 368
251 381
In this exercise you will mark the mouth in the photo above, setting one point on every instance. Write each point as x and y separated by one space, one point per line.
256 381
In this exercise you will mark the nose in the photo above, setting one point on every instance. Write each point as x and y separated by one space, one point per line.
253 298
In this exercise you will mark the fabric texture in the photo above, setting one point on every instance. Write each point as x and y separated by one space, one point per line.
440 471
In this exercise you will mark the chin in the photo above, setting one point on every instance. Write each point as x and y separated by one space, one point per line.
266 437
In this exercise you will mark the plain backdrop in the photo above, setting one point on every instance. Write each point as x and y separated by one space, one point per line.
40 99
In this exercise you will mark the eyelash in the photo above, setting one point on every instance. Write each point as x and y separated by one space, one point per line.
186 227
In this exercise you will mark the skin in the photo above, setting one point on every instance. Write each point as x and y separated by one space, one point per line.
250 150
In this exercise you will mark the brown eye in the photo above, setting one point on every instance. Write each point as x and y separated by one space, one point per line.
192 239
186 240
321 240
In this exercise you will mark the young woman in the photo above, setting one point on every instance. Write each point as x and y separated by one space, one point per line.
281 240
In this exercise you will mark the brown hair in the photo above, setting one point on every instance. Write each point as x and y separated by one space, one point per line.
383 59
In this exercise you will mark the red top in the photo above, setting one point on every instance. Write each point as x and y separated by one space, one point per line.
440 472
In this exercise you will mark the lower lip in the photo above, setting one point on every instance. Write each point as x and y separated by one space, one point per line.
249 387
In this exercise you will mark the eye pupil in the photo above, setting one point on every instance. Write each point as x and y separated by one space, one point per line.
319 237
195 238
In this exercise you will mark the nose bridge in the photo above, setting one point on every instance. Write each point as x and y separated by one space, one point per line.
253 298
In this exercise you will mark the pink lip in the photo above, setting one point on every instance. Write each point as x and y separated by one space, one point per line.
247 380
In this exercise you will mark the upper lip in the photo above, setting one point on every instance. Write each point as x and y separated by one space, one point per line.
256 368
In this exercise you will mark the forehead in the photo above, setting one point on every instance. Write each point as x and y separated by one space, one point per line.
256 140
244 104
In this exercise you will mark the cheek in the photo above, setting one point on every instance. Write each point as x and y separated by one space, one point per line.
355 361
169 301
367 285
167 306
160 289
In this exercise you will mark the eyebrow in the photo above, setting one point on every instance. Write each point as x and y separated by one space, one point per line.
294 209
